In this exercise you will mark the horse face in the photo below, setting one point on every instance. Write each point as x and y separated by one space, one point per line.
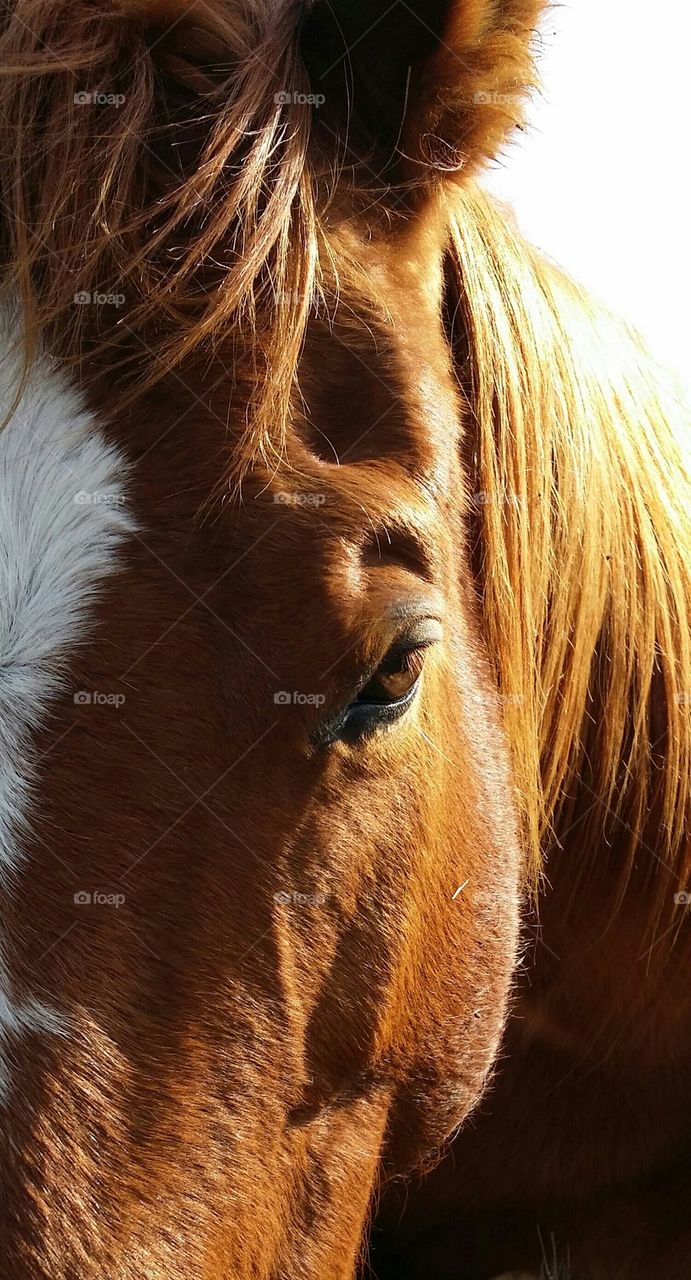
272 893
263 909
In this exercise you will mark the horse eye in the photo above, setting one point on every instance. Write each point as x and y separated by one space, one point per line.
389 691
394 679
386 696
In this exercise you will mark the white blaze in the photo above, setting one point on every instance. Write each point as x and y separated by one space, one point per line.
63 518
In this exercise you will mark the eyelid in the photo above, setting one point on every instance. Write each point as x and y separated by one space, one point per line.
420 635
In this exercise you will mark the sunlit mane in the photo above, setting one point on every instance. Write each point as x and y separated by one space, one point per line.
582 492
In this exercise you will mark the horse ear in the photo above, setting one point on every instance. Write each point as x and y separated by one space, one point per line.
430 85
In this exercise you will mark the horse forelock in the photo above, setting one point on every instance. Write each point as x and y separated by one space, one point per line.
161 156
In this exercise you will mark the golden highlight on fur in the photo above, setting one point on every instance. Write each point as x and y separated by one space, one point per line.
581 466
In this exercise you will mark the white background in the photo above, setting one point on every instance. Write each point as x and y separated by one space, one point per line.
602 180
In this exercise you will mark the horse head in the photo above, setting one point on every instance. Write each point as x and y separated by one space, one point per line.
256 812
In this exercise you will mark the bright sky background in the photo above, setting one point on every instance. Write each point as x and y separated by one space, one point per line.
602 182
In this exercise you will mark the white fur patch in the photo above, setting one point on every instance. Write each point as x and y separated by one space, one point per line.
62 519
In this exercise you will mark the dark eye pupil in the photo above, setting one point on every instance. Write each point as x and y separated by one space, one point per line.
393 680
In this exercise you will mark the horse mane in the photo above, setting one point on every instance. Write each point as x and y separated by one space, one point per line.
579 467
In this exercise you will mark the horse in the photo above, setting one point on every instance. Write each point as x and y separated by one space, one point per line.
262 866
265 849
